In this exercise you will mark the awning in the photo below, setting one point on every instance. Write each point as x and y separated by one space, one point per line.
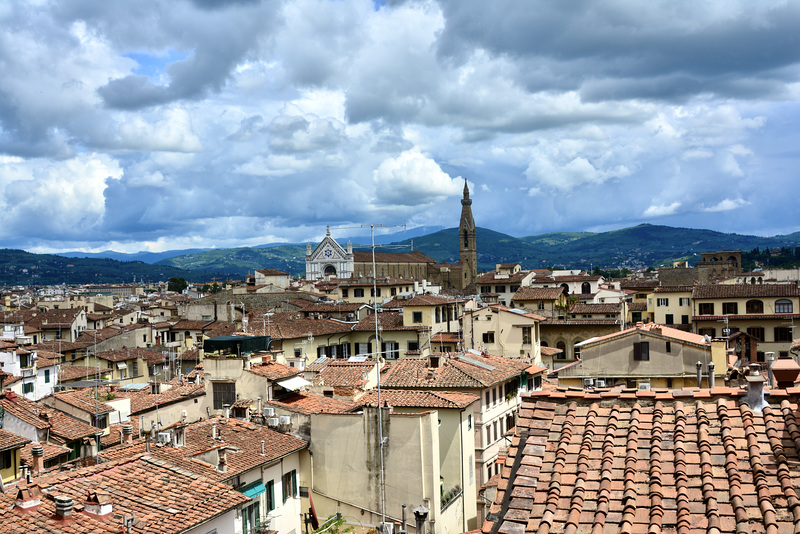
122 365
254 490
294 383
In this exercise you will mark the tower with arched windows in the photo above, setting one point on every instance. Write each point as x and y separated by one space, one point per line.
467 237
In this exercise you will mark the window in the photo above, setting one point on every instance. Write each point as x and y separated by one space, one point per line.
413 345
251 517
47 376
488 337
540 305
757 332
754 306
416 317
494 396
783 306
298 352
289 485
669 346
135 368
783 334
641 351
224 393
270 496
526 335
358 292
662 301
730 308
469 422
6 460
393 291
710 332
373 290
391 350
668 319
27 387
684 319
499 289
706 308
25 360
563 348
437 315
488 399
683 301
345 292
101 420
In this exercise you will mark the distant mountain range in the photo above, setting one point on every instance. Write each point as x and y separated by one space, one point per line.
637 247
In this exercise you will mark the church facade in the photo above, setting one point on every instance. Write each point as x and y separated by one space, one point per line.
329 260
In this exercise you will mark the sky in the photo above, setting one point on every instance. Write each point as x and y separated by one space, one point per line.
144 125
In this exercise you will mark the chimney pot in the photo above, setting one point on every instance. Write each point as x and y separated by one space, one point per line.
64 505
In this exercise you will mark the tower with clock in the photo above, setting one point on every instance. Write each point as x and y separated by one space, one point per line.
329 259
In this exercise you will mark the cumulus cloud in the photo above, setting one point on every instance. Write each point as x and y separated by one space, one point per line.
278 113
727 204
413 179
661 210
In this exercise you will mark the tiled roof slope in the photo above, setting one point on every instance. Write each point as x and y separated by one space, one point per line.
681 462
717 291
344 373
310 403
386 321
274 370
453 372
595 308
419 399
163 497
538 293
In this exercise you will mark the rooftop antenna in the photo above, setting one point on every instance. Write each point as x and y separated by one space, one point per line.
379 358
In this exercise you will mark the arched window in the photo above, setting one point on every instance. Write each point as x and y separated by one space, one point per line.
754 306
466 240
753 281
784 306
565 287
586 288
563 348
330 270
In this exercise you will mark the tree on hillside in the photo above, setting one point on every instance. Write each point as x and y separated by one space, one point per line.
177 284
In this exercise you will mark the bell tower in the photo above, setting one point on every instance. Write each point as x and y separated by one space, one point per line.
468 249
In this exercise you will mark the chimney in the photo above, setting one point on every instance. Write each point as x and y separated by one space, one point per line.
755 390
98 504
222 467
213 430
64 506
227 410
38 458
785 371
127 433
711 376
29 497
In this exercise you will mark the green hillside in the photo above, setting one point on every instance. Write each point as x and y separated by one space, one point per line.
634 248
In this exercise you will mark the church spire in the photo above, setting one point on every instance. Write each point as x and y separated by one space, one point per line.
468 249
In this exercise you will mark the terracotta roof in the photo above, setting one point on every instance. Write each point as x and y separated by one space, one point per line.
421 300
650 461
457 372
577 278
142 400
672 289
579 322
85 400
392 257
163 497
387 321
185 324
121 355
745 290
51 452
446 337
274 370
292 325
310 403
327 307
272 272
538 293
595 308
381 281
671 333
52 319
9 440
637 306
68 372
341 373
550 351
26 410
65 428
418 398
